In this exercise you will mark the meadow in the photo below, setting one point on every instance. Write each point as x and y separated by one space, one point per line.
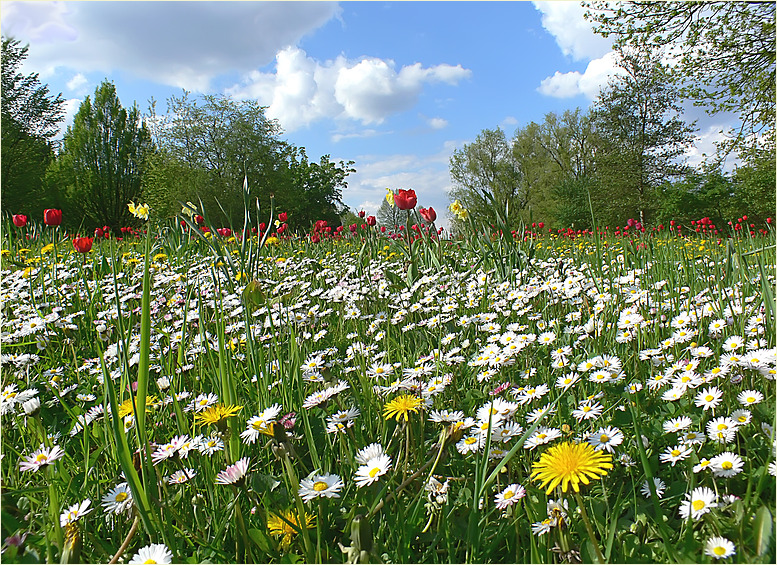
179 393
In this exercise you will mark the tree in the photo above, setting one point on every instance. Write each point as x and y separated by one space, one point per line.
211 143
724 52
641 137
29 120
390 216
485 175
100 166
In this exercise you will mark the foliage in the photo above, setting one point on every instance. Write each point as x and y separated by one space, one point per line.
724 52
483 170
99 169
641 137
390 216
29 120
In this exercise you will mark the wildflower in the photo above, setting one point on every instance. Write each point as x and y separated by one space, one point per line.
674 454
471 444
216 414
748 397
700 501
372 470
570 463
389 197
40 458
52 217
140 211
587 411
459 211
180 477
606 438
658 484
401 405
709 398
509 496
372 451
726 464
719 548
154 553
320 486
288 526
233 474
721 429
703 464
118 500
75 512
261 424
677 424
541 436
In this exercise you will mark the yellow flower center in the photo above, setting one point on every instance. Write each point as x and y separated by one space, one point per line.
603 438
719 550
542 436
675 452
751 398
727 465
121 497
374 471
508 494
722 427
470 440
41 457
698 504
709 398
318 486
149 561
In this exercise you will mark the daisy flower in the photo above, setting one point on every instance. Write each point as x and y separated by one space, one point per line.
587 411
748 397
703 464
372 470
719 548
659 485
180 477
726 464
606 439
742 417
471 444
234 473
75 512
118 500
40 458
677 424
709 398
372 451
509 496
722 429
700 502
320 486
541 436
154 553
674 454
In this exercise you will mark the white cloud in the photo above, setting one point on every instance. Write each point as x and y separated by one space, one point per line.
438 123
77 83
336 137
303 90
183 44
573 33
596 75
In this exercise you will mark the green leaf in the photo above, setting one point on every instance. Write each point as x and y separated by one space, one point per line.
763 526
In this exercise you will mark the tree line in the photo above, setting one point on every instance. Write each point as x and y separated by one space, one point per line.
201 149
623 157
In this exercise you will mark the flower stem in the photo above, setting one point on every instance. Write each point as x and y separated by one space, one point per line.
588 527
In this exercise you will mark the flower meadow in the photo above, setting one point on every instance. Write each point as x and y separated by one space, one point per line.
184 393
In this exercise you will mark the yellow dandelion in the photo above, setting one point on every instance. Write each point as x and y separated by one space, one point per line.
216 414
287 525
401 405
570 463
125 409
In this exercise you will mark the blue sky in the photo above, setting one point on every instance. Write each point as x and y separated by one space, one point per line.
394 86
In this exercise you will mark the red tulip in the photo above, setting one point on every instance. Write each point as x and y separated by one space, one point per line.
362 213
283 216
371 221
83 244
98 232
19 220
199 220
428 214
541 225
52 217
405 199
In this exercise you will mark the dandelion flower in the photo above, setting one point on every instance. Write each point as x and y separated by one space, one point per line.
570 463
154 553
509 496
719 548
234 473
320 486
700 501
401 406
216 414
288 526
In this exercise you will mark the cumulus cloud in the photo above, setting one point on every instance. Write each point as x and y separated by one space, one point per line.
182 44
303 90
77 83
438 123
573 33
567 85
